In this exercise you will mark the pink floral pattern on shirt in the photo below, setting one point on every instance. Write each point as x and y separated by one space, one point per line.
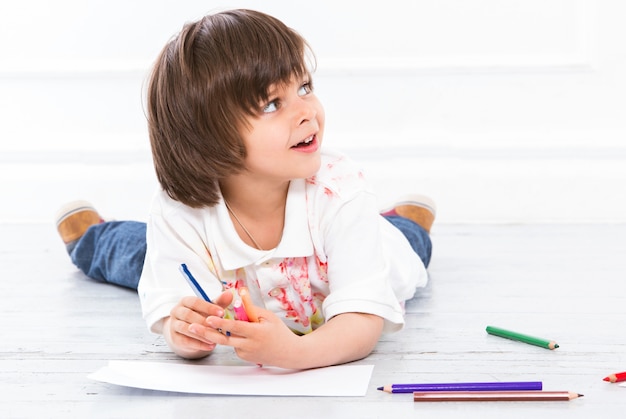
294 299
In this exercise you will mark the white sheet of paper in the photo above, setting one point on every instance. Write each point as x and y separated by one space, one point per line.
341 380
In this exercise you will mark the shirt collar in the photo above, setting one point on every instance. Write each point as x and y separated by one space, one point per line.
296 241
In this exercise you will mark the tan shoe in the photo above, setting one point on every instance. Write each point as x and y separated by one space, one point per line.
74 218
418 208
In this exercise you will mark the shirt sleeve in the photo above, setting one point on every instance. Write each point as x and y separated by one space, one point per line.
371 267
174 236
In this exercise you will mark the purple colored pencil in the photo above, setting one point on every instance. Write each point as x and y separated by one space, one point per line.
496 386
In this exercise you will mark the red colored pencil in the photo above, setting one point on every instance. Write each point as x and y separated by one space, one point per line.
616 378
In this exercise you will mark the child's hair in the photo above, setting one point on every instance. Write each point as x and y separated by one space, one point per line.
206 81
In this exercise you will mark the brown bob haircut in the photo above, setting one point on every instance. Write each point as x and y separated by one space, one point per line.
206 81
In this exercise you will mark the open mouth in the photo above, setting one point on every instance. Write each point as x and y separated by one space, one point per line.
306 142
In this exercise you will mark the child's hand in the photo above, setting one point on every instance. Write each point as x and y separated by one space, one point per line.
268 342
185 328
344 338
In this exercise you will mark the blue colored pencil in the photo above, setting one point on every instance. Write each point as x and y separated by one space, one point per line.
195 286
495 386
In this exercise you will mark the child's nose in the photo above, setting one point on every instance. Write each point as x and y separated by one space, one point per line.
306 111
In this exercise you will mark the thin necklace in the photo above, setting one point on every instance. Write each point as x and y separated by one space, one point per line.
241 225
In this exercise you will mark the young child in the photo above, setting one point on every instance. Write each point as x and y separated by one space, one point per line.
249 199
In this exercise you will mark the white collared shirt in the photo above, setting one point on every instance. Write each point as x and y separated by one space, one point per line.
336 255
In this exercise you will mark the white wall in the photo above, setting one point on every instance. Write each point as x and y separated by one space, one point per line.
503 111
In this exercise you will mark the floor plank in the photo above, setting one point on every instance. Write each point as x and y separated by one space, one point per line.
565 282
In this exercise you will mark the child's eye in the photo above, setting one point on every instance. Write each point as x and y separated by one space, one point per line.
271 107
305 89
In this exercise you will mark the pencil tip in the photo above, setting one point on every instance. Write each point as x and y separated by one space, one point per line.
380 388
580 395
556 345
606 379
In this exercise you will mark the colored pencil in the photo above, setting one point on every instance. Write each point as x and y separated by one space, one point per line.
495 386
494 396
247 314
193 283
616 378
240 311
247 305
503 333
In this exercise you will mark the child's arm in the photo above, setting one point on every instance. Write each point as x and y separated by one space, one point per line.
176 328
346 337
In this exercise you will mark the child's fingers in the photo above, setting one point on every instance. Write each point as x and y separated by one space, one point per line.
183 335
224 299
198 305
185 314
196 342
189 316
228 327
206 334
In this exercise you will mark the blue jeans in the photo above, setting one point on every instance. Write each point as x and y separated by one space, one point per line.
418 238
114 251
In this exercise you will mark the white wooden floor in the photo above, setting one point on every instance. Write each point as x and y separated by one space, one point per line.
563 282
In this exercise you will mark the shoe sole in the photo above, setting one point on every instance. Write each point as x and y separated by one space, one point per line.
414 199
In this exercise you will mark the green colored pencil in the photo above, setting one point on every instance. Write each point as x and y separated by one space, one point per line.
503 333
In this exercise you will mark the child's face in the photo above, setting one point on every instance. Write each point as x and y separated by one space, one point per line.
283 141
